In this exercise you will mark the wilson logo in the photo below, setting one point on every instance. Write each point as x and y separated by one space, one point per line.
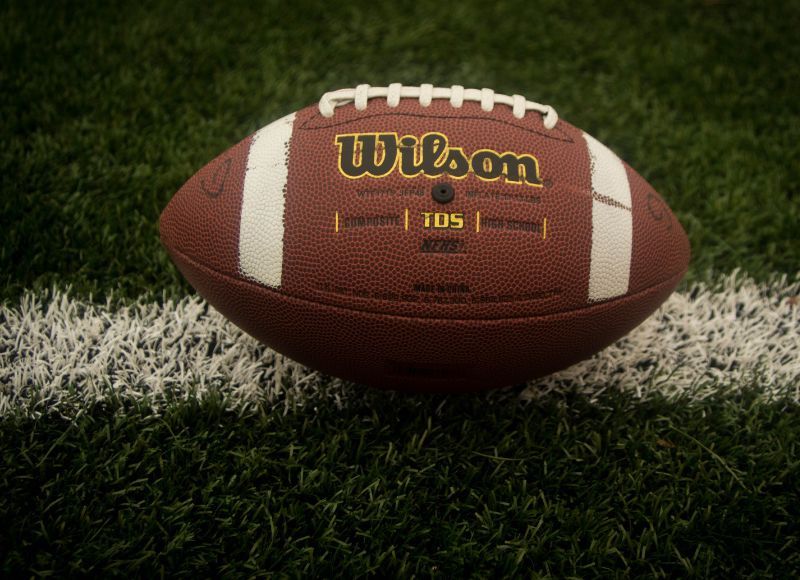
379 154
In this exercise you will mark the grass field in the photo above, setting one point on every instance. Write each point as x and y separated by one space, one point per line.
107 109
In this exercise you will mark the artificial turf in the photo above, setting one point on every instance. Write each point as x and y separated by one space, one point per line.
108 107
395 485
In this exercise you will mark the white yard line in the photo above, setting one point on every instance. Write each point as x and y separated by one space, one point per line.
58 353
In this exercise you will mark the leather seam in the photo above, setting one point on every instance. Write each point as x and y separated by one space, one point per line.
675 278
564 138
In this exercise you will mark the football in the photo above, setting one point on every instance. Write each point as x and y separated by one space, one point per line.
426 238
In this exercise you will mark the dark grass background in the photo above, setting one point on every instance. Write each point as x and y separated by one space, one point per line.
107 108
409 485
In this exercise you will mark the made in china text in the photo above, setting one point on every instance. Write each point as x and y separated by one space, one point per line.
379 154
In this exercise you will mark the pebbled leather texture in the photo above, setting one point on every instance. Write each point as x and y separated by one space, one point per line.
371 278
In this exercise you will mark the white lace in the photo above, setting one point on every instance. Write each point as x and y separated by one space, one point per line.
426 93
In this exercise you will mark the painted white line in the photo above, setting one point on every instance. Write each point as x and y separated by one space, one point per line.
58 353
738 334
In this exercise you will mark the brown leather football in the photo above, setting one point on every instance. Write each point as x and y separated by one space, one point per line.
427 239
